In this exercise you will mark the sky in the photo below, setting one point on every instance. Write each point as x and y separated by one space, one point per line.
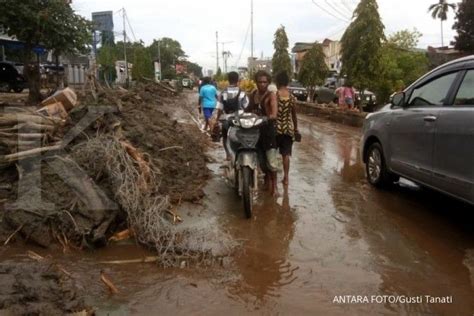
194 23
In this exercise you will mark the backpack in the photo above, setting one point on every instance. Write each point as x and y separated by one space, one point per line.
232 105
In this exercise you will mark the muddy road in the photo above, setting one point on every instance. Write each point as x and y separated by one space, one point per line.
331 244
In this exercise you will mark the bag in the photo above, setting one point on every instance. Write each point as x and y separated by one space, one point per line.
272 159
215 129
297 137
231 105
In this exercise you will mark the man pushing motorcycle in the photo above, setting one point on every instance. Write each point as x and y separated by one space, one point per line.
264 102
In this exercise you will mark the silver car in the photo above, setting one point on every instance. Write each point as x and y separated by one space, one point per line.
426 134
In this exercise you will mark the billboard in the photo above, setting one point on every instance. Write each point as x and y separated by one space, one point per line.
103 21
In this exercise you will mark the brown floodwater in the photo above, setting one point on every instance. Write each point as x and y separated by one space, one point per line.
329 236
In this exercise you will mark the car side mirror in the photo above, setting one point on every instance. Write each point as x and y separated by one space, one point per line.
398 99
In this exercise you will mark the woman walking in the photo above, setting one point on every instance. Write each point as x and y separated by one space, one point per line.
287 123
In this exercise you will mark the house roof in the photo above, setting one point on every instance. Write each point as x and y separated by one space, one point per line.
301 47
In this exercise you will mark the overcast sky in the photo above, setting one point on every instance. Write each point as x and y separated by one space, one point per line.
194 23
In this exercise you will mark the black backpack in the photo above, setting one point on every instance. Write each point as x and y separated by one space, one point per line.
231 105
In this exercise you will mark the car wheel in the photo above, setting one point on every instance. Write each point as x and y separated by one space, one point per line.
17 89
376 169
4 87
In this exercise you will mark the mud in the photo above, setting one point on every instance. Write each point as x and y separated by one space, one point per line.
330 234
39 288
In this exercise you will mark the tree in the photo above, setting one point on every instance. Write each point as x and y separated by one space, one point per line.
142 62
440 11
281 59
361 46
313 69
464 26
69 32
401 63
107 55
194 68
170 53
50 23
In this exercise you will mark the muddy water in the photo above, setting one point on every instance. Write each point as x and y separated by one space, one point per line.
329 235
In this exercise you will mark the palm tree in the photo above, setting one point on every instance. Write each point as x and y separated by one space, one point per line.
440 11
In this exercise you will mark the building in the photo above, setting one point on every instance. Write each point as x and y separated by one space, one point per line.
255 64
331 50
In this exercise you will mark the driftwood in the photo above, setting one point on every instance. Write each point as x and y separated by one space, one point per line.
14 119
28 153
22 135
24 127
108 283
169 89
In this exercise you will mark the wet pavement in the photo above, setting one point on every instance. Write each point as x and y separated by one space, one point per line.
330 237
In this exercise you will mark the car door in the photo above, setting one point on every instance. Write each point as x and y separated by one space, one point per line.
454 143
412 129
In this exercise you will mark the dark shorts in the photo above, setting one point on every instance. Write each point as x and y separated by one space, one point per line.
207 112
284 143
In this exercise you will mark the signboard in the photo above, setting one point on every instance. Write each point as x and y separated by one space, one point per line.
157 71
103 21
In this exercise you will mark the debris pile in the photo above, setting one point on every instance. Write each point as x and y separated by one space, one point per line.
113 160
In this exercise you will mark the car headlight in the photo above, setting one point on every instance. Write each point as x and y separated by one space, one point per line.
247 122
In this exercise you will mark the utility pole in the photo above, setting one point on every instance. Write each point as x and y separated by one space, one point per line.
225 55
125 48
217 52
251 28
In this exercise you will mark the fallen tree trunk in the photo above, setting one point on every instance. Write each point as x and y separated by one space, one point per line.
13 119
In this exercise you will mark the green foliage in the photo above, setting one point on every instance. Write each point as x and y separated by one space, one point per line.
142 58
219 76
170 52
362 46
401 64
107 55
51 23
194 68
281 59
464 26
440 10
142 62
405 39
313 68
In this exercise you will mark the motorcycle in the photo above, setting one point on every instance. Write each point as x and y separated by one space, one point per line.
241 172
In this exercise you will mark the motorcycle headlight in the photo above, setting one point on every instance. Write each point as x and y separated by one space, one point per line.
247 122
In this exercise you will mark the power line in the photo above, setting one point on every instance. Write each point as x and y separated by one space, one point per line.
328 12
336 10
128 22
243 46
348 6
344 7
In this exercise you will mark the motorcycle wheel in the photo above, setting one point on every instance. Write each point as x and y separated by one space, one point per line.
247 197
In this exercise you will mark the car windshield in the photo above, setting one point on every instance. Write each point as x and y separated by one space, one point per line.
295 84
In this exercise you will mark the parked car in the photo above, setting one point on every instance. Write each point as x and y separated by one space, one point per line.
426 133
298 90
10 78
325 94
369 102
187 83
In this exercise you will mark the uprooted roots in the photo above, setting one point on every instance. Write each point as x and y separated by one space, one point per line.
134 181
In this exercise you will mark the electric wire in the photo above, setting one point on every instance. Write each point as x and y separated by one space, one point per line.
243 46
328 12
333 7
